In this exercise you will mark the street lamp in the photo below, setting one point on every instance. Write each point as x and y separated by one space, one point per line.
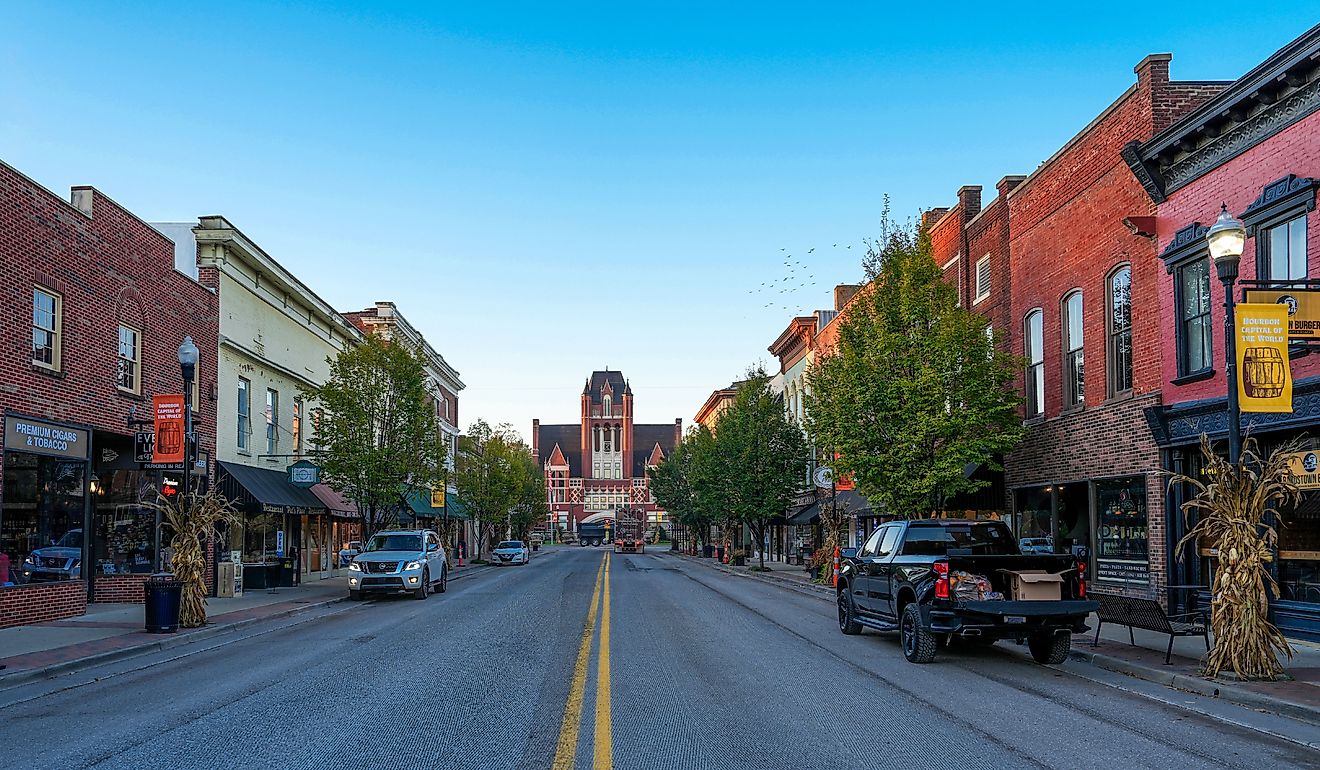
188 364
1227 238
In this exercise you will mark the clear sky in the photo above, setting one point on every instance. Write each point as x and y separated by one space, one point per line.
547 190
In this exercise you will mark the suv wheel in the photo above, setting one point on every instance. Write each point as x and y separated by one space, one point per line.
355 596
919 644
847 613
443 585
424 590
1050 649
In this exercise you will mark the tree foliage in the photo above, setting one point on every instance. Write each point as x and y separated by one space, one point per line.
916 390
498 482
378 432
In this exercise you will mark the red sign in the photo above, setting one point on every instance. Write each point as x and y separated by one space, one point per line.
842 481
168 412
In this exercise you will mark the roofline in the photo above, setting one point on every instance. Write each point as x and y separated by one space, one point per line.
782 339
1076 139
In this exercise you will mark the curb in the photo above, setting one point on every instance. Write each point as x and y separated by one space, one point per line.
1225 691
807 589
14 678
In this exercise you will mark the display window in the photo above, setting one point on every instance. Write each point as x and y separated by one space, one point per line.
41 521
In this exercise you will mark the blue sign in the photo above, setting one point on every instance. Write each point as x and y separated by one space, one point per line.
279 543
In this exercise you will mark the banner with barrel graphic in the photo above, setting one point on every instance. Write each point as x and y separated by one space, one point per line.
1264 377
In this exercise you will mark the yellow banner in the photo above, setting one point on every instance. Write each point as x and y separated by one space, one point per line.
438 497
1264 377
1304 469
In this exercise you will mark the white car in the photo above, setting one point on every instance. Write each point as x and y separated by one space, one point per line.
399 561
511 552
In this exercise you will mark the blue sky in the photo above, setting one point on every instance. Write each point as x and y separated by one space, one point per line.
547 190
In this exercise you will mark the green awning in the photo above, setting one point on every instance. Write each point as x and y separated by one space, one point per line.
456 507
419 504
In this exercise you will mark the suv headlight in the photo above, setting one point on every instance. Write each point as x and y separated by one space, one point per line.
413 565
31 559
354 567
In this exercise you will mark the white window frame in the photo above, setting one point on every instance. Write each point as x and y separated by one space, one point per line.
982 288
55 330
244 436
1033 348
130 365
272 421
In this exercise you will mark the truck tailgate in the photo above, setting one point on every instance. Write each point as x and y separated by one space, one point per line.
1000 608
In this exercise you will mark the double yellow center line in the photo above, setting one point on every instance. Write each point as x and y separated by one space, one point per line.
566 750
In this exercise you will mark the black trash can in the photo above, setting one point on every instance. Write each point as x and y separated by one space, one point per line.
163 597
707 550
274 575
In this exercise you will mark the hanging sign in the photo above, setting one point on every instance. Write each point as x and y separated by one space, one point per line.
1304 469
304 474
45 438
438 497
1264 377
168 411
1303 309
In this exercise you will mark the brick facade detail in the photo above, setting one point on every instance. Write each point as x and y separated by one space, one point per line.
41 603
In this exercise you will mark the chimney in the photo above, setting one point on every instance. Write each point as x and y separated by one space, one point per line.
843 294
1008 184
678 431
930 216
536 439
1153 71
969 197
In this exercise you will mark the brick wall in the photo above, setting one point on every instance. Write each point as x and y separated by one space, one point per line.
23 605
119 589
1295 150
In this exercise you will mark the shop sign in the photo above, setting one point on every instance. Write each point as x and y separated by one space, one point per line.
1304 469
279 543
1116 571
438 497
43 438
168 412
1264 375
1303 309
144 445
304 474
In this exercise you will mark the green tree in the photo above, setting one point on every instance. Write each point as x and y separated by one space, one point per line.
378 432
498 482
671 486
763 456
916 389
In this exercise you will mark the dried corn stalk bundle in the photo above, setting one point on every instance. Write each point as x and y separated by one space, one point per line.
194 519
1230 512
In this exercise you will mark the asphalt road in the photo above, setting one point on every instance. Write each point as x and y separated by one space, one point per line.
504 671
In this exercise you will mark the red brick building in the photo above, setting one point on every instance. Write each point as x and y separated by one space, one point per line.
1082 258
599 463
93 312
1256 148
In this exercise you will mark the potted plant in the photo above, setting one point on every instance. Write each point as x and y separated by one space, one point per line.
738 557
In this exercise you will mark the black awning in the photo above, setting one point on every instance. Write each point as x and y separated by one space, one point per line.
265 490
805 516
849 501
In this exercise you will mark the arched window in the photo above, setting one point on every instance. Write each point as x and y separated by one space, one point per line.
1074 379
607 407
1119 340
1032 329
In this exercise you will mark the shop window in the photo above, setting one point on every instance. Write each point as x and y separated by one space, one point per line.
47 323
1195 334
1277 222
1074 379
1120 331
1299 551
42 517
124 543
244 412
272 421
297 425
1283 251
1122 555
1035 375
130 359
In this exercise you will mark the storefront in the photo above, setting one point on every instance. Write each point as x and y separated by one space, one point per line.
342 527
270 543
1103 520
1296 609
44 515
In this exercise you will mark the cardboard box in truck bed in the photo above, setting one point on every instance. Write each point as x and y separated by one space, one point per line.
1034 585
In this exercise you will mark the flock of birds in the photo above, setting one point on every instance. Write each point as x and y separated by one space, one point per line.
781 292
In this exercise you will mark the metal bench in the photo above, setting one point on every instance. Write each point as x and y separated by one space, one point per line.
1150 616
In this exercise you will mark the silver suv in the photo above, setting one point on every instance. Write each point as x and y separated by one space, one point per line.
399 561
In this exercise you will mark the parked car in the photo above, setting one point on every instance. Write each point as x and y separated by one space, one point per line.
933 580
1036 545
399 561
511 552
61 561
347 553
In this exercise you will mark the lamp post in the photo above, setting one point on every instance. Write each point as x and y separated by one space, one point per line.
1226 239
188 364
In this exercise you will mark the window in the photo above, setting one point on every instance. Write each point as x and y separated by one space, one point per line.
130 359
272 421
244 412
1074 380
982 278
46 323
1194 330
1284 248
1120 330
889 541
595 470
607 408
1035 350
297 425
872 544
618 470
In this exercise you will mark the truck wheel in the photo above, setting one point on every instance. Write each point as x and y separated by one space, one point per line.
1052 649
919 644
847 613
425 589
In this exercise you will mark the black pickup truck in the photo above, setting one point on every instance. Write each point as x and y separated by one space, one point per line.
906 578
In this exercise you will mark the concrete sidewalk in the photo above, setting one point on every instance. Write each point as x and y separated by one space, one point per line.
1298 696
113 631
